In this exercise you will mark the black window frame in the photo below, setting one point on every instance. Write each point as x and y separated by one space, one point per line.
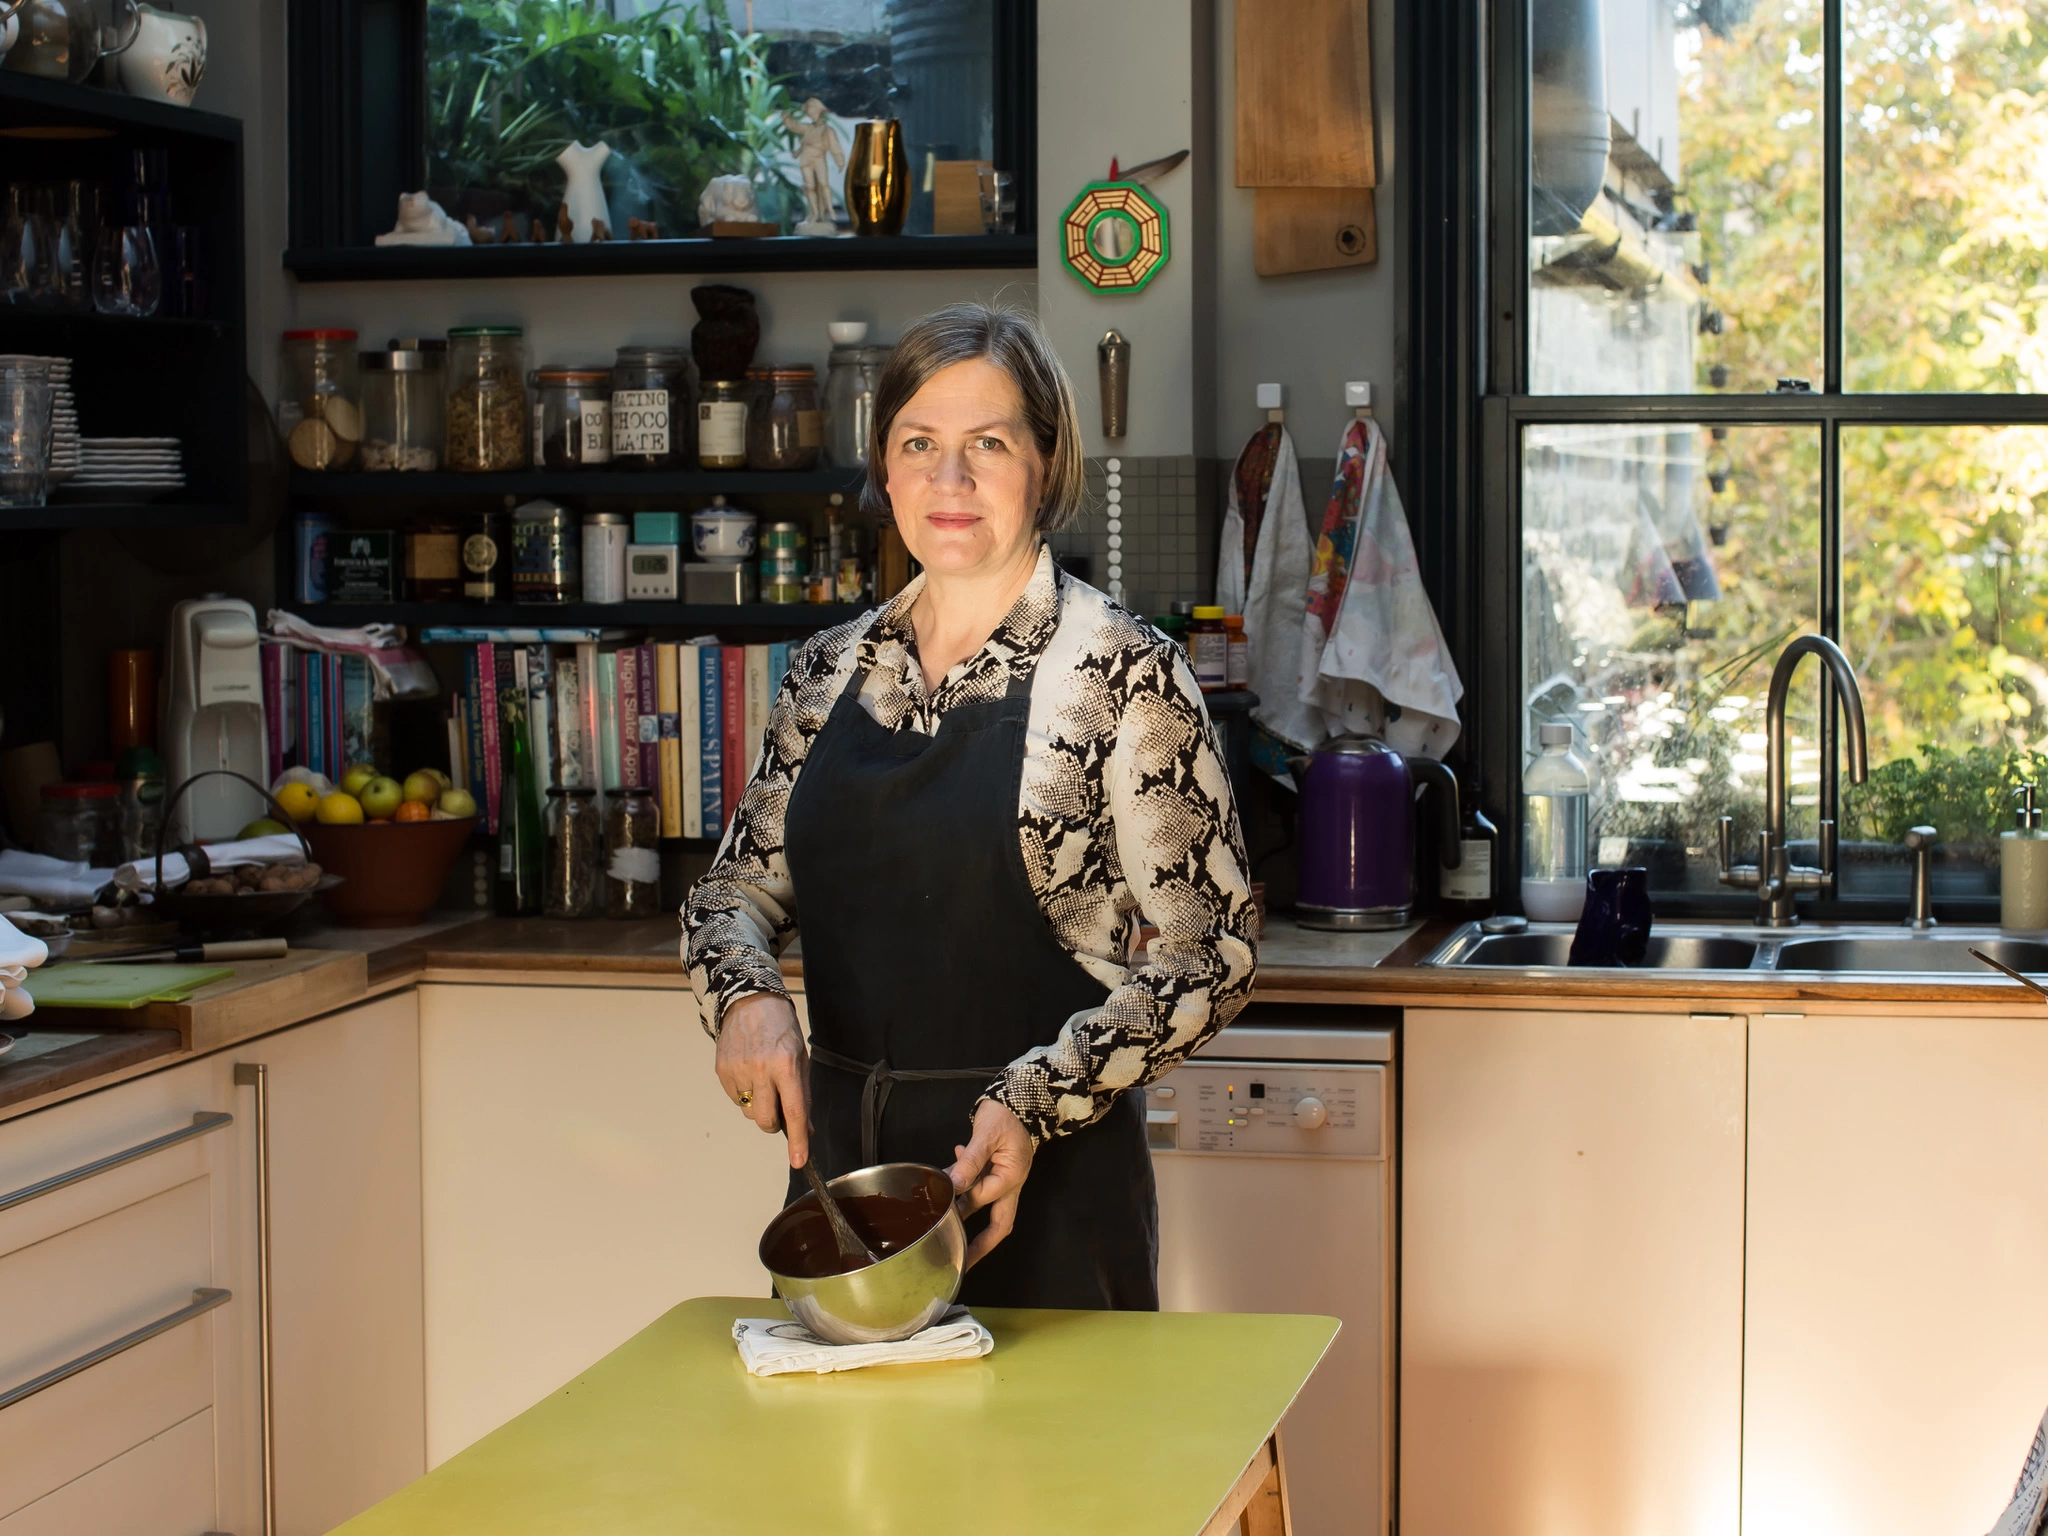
1465 203
356 73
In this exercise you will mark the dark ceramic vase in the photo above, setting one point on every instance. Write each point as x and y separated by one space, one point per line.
723 341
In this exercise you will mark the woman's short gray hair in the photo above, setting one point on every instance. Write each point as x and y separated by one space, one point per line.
1015 342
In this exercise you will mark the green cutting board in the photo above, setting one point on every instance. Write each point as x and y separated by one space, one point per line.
119 986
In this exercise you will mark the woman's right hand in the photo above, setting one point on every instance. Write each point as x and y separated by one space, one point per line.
764 1068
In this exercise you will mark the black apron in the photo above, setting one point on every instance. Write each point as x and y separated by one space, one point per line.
928 967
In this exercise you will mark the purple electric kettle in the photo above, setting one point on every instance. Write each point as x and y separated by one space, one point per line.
1357 832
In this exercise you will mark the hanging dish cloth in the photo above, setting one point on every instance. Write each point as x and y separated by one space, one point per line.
1270 592
1373 659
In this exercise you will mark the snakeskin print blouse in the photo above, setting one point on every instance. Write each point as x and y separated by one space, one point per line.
1124 815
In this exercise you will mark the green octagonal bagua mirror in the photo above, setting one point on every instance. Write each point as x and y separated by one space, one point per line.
1113 237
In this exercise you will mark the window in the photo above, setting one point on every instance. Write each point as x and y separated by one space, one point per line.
1774 362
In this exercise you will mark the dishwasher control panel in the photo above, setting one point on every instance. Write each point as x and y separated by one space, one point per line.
1269 1109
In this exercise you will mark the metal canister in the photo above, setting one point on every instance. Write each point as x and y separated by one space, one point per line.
547 555
605 537
312 532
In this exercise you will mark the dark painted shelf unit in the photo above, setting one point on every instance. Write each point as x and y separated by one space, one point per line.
787 253
148 376
795 617
541 482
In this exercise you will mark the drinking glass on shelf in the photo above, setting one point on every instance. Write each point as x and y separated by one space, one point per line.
25 396
27 248
125 276
998 202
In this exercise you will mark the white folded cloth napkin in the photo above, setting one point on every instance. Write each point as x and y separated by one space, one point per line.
49 882
277 848
19 953
777 1346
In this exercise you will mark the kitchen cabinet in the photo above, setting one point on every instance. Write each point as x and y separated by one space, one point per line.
152 1440
1571 1262
583 1174
1898 1238
347 1326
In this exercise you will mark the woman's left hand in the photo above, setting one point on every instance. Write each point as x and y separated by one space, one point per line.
990 1170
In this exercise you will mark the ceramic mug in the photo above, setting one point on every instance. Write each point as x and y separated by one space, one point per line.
167 59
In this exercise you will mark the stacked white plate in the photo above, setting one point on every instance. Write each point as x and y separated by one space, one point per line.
152 462
63 414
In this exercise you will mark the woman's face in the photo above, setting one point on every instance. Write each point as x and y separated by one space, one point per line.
964 474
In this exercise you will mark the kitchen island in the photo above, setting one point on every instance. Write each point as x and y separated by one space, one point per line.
1670 1244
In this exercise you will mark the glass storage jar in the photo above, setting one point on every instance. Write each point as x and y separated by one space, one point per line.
402 390
487 420
320 398
722 424
785 428
632 854
850 378
80 823
575 846
651 408
572 414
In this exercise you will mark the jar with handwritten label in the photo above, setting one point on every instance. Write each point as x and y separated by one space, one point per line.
572 412
650 408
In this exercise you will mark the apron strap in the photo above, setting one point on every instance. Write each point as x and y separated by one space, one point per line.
881 1079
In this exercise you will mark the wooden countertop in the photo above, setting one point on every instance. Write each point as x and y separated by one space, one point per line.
669 1433
331 968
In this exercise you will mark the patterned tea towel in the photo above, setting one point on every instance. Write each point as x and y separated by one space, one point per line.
777 1346
2027 1514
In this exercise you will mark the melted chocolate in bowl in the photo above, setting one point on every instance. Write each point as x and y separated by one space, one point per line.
802 1246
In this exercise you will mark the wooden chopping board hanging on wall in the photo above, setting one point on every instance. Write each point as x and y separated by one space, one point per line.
1305 132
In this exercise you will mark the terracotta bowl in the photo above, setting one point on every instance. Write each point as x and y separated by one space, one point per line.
391 872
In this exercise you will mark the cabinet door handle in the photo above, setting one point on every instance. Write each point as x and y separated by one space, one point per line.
256 1075
203 1301
202 1122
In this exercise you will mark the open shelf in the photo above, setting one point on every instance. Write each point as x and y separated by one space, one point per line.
784 253
596 482
794 616
120 514
29 102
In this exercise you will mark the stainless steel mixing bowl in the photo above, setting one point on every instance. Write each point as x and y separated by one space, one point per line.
893 1298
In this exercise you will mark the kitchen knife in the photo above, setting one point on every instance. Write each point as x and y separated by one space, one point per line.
230 949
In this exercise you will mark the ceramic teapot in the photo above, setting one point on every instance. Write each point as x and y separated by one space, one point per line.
167 58
63 39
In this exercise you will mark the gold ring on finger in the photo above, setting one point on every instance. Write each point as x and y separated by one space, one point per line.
746 1098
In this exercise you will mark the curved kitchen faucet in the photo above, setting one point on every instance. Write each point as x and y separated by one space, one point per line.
1776 879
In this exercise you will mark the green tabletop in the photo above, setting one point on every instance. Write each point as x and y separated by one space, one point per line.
1127 1422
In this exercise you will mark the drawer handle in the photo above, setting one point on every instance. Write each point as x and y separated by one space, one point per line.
203 1301
202 1122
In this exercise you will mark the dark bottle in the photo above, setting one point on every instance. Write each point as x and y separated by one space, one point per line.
1469 891
487 558
521 839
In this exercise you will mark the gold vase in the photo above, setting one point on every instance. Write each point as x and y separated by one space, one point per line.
878 179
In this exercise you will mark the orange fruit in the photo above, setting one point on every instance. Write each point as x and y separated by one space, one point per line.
413 810
378 821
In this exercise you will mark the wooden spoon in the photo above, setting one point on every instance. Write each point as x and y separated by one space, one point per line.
850 1245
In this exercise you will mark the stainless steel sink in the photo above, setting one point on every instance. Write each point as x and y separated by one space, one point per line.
1675 952
1922 954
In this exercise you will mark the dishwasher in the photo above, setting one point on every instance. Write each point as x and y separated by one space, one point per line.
1273 1148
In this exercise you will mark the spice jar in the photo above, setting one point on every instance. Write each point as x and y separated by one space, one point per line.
433 562
1209 648
605 537
572 412
80 823
632 856
319 398
1238 662
785 429
784 560
402 395
486 398
850 377
575 843
547 554
722 424
650 408
486 558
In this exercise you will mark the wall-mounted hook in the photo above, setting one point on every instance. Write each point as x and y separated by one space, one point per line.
1270 396
1358 395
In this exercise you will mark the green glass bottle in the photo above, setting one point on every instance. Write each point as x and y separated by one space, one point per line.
520 835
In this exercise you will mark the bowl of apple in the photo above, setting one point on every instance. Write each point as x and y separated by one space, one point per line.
392 841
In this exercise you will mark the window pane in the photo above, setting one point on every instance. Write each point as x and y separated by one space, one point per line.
1945 616
1663 569
1945 228
1675 200
682 92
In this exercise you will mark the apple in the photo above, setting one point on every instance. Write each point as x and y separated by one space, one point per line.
446 782
358 775
457 803
424 786
381 797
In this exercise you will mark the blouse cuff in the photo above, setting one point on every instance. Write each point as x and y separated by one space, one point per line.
1025 1090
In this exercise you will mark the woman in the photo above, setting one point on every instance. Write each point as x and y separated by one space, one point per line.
967 800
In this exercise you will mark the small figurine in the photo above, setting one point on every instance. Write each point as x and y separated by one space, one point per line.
478 235
729 200
422 221
642 229
818 147
584 199
540 233
508 230
599 230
